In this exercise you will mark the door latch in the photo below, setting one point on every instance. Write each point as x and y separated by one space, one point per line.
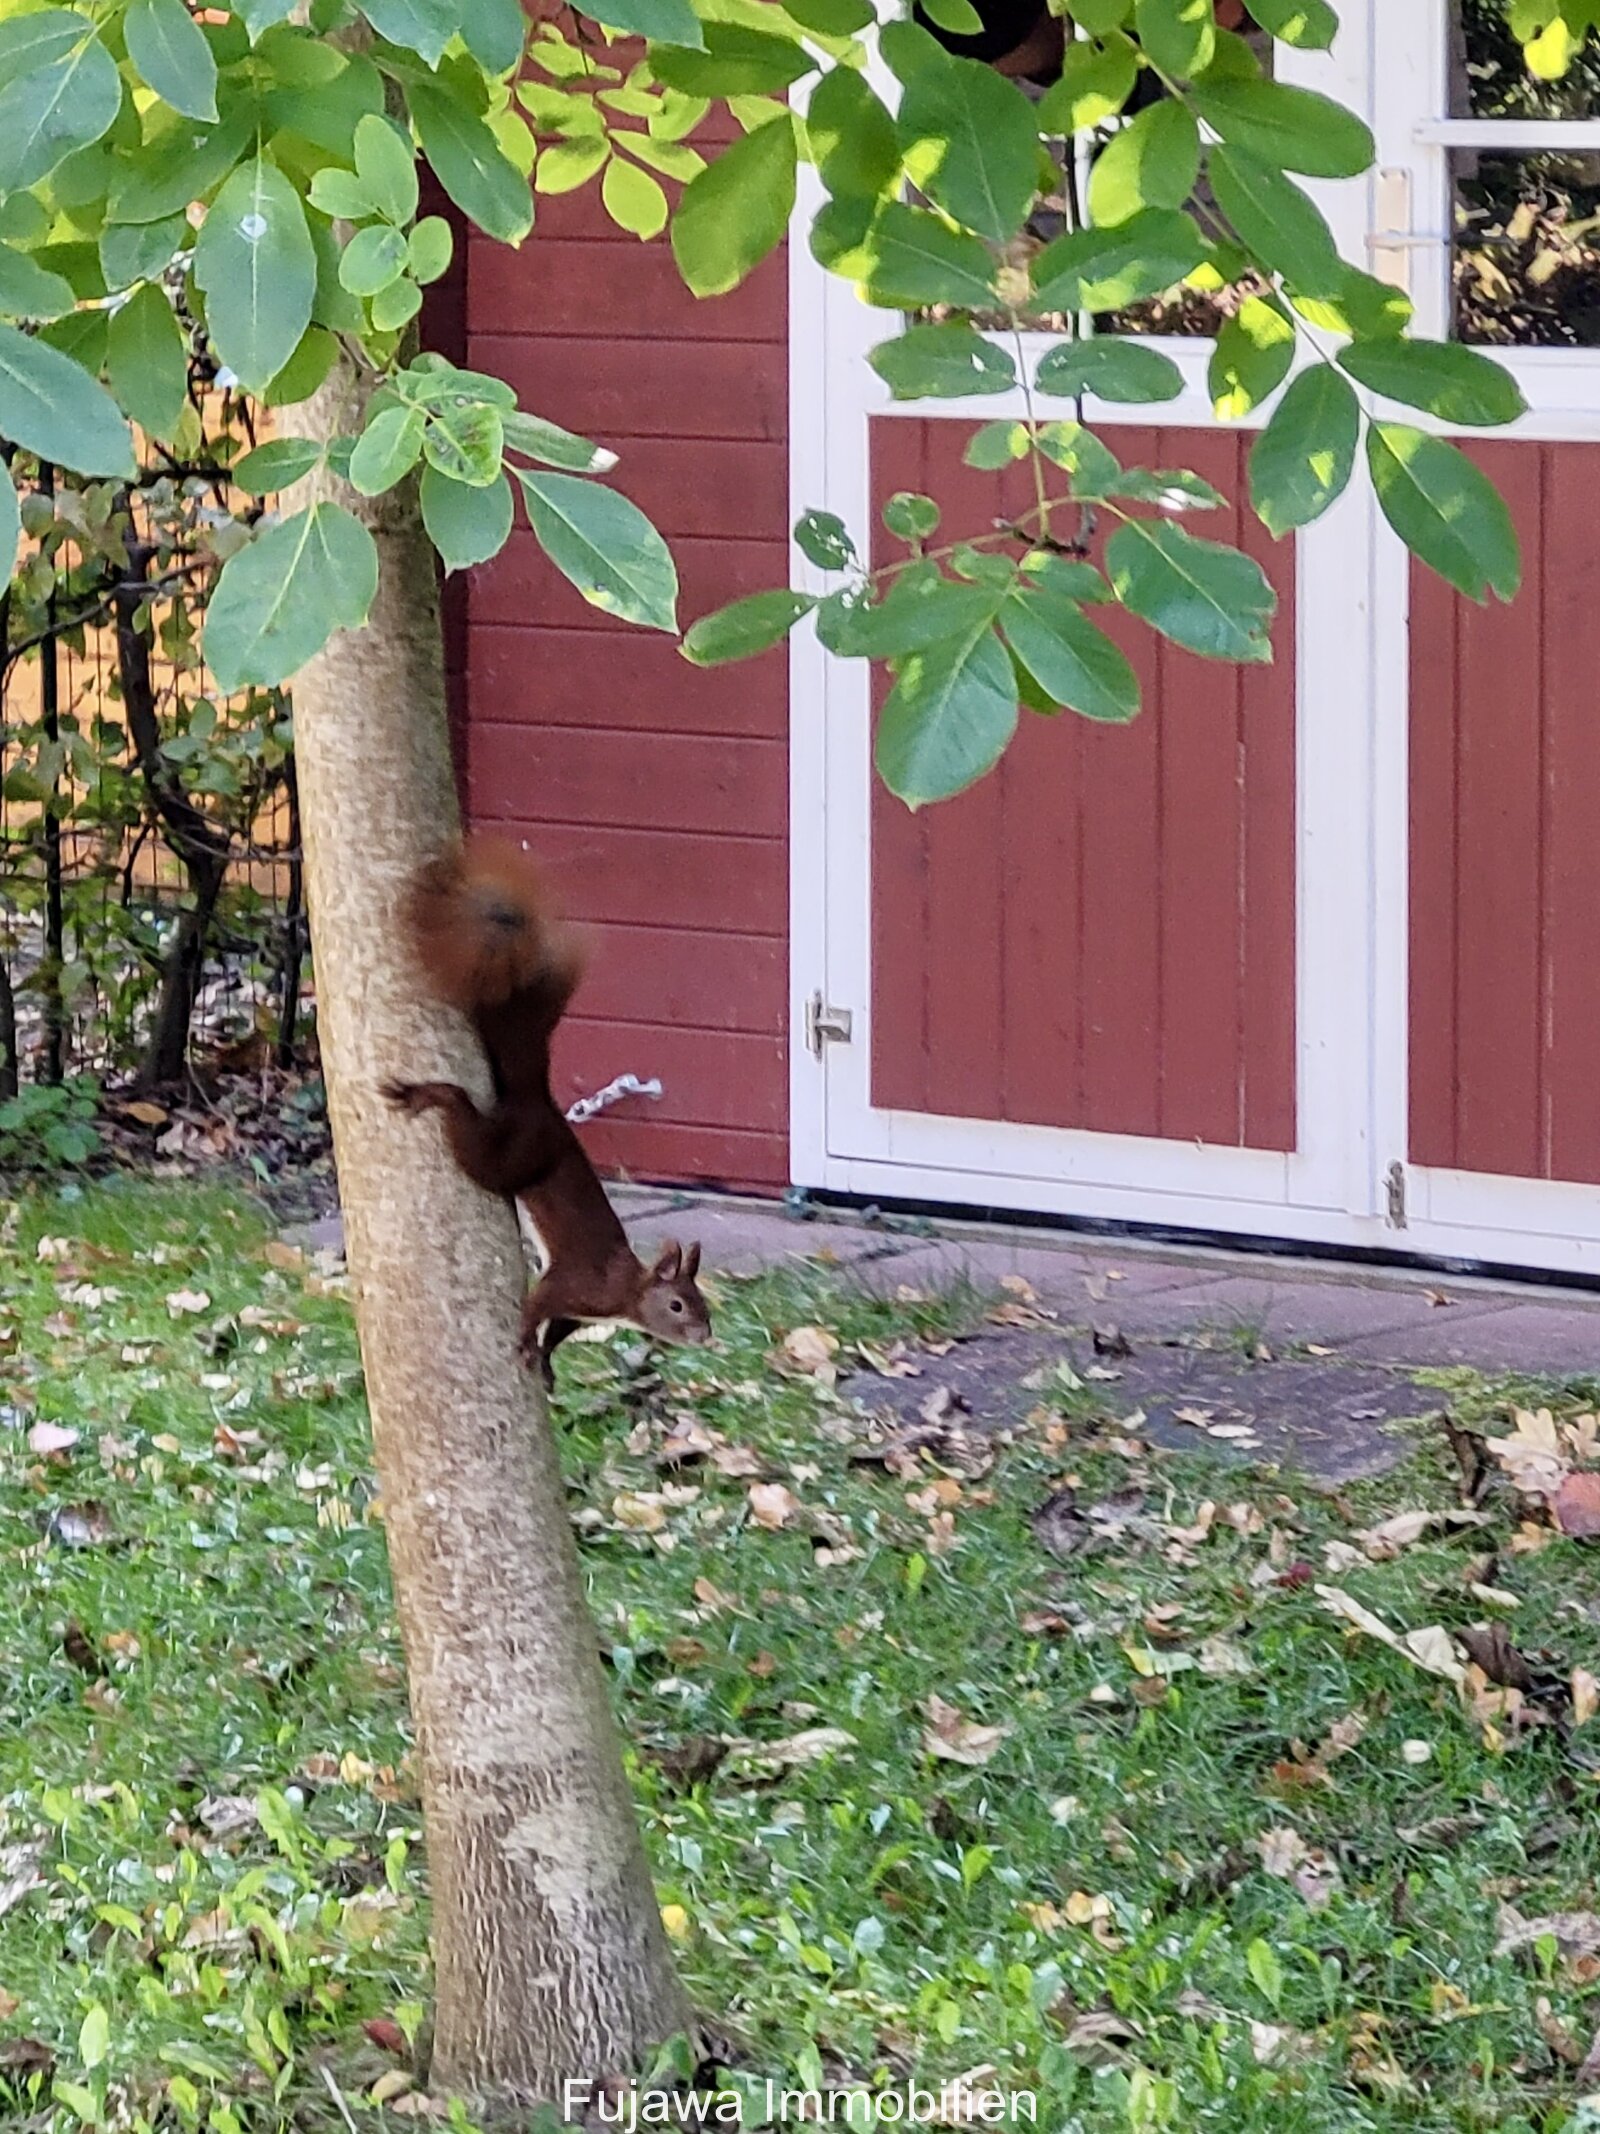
1395 1191
825 1025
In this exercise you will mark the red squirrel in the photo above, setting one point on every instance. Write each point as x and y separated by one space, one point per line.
485 934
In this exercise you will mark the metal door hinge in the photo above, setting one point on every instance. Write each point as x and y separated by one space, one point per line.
1395 1188
825 1025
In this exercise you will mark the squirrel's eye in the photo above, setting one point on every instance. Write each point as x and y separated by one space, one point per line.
677 1304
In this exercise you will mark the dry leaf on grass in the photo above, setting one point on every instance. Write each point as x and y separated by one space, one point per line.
1578 1506
811 1350
19 1872
183 1302
45 1438
1429 1648
773 1504
1574 1933
956 1739
1585 1696
807 1747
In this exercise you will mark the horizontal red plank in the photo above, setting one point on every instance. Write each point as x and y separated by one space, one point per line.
609 389
688 1155
711 485
521 586
633 780
693 980
579 285
548 675
708 1077
659 877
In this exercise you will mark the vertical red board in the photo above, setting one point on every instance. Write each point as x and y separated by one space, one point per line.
1505 791
1108 919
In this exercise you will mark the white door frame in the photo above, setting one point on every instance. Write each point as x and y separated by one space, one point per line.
1351 785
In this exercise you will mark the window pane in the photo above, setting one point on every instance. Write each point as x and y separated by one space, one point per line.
1489 77
1527 250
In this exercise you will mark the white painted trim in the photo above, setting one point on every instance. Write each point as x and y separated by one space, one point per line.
1351 782
1509 136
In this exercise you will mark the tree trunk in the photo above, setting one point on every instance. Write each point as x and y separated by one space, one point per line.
551 1963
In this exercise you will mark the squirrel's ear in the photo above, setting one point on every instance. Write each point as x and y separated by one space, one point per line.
668 1261
691 1262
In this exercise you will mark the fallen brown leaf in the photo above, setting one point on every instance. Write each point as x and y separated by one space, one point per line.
957 1739
1578 1506
1574 1933
772 1504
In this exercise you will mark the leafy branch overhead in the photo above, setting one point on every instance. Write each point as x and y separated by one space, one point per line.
250 182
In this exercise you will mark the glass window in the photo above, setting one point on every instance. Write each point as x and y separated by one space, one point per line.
1490 78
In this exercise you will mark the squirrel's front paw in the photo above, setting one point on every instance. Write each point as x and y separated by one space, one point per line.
399 1093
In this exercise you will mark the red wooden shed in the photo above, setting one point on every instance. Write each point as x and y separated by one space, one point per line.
1310 952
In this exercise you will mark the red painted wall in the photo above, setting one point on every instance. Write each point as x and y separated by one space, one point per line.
1101 932
656 793
1505 885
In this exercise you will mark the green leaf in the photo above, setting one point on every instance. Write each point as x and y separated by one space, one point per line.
832 18
1263 1964
535 438
605 545
421 26
1152 162
1111 367
944 362
737 210
823 539
745 627
733 60
948 718
1291 129
466 442
1303 458
921 609
910 517
1172 488
10 523
1078 581
160 181
959 18
374 257
278 464
169 49
1094 467
633 199
1179 35
466 159
916 258
386 169
1212 599
1072 661
1456 384
29 291
975 140
395 306
147 361
674 159
140 251
389 447
81 336
1280 223
671 22
1106 270
255 262
494 32
996 445
1356 304
429 249
565 165
1445 510
1253 356
305 370
1095 82
49 113
94 2036
277 602
851 137
1308 24
51 407
341 194
30 42
467 525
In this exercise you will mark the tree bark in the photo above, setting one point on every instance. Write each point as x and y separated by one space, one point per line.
551 1962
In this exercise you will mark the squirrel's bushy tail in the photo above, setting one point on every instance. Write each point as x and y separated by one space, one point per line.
486 933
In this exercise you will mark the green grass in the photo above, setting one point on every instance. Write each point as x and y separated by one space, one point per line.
872 1913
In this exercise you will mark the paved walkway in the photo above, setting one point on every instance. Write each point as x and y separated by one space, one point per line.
1361 1314
1365 1314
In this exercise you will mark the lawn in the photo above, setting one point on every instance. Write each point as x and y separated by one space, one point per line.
1105 1796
